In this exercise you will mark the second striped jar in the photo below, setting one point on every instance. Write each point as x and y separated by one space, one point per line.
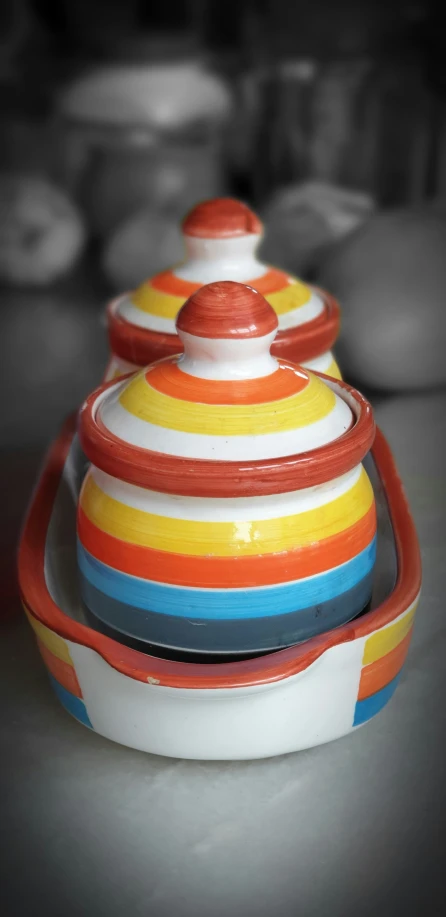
221 237
226 509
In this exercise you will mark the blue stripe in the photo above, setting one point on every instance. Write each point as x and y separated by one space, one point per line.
370 706
72 704
227 635
213 604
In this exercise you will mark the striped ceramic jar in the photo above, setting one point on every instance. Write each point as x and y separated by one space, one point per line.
221 237
226 509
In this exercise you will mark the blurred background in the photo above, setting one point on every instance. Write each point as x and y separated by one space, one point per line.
329 118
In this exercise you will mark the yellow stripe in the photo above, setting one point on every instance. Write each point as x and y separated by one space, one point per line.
148 299
50 640
155 302
291 297
225 539
384 641
333 370
306 407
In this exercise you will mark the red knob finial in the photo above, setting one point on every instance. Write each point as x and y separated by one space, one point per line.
221 218
227 310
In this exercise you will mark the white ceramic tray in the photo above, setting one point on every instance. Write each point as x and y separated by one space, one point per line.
269 705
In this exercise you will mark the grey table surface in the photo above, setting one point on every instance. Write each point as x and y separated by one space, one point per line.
88 827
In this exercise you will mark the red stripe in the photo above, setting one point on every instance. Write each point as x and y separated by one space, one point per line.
168 379
219 572
378 674
262 670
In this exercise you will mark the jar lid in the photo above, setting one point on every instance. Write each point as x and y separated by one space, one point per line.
225 417
221 237
160 96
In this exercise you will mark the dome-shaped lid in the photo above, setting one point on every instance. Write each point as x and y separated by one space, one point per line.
223 407
221 237
169 96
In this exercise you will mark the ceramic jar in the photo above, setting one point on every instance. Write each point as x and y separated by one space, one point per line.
221 237
143 136
226 509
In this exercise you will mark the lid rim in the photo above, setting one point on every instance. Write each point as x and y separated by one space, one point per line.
135 344
206 478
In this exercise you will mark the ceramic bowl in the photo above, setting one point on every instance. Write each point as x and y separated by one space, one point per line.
221 237
226 509
283 702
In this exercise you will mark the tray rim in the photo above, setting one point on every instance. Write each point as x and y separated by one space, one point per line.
276 667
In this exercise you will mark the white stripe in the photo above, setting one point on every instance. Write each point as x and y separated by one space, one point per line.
121 367
320 364
145 435
242 270
227 359
252 721
237 509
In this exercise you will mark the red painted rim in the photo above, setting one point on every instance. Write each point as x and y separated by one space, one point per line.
263 669
311 339
206 478
140 346
143 346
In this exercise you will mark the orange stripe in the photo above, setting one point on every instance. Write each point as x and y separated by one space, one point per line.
271 282
168 379
166 282
217 572
62 672
378 674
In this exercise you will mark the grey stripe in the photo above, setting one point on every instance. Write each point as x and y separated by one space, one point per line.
231 635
